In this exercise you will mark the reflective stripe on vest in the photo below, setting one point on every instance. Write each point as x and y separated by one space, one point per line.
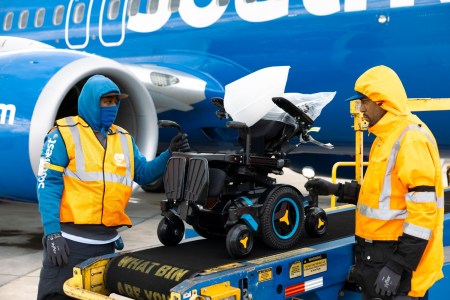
384 203
81 173
423 197
417 231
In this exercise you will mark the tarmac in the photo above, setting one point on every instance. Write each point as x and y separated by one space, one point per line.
21 235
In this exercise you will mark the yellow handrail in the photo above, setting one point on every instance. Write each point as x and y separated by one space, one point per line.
334 176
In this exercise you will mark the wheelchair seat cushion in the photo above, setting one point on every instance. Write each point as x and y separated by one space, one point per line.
266 134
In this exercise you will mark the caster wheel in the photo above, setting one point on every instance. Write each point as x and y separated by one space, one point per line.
170 230
239 241
316 222
282 218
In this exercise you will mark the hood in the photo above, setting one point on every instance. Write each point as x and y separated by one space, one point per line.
382 84
89 99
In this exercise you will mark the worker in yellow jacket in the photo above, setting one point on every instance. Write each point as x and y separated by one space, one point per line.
400 204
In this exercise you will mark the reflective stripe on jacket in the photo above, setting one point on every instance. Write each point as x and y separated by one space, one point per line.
402 192
97 181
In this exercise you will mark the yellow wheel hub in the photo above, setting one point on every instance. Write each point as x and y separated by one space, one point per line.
285 218
320 223
244 242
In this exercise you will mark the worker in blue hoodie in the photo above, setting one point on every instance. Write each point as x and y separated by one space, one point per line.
87 169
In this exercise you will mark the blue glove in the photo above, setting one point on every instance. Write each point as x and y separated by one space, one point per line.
179 143
387 282
57 249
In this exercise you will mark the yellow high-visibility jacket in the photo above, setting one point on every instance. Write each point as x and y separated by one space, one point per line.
97 181
402 192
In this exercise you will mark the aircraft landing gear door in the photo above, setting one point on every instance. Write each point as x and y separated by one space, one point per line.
77 23
112 22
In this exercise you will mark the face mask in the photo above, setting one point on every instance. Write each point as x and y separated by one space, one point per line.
108 115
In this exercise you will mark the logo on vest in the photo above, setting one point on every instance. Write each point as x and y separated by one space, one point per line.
119 159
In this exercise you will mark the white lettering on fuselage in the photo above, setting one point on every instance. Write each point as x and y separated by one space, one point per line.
42 173
206 15
4 116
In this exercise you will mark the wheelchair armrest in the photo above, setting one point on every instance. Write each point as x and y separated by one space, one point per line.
276 163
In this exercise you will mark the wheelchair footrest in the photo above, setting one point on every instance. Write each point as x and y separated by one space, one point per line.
197 181
174 178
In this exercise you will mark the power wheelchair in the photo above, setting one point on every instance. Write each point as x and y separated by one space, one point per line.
232 196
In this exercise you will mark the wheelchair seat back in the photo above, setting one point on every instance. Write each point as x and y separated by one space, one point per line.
267 136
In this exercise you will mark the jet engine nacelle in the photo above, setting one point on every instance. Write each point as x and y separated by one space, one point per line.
39 86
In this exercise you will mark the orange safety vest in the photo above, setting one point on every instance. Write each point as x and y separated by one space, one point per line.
98 181
386 209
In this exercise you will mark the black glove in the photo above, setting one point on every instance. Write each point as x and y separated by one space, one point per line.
57 249
348 192
321 186
387 282
179 143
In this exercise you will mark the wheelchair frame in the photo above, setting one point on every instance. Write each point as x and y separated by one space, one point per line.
233 196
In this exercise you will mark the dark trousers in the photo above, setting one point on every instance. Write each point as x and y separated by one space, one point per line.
370 258
52 277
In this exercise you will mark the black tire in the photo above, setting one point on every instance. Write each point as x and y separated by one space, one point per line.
156 186
283 218
239 241
316 222
170 230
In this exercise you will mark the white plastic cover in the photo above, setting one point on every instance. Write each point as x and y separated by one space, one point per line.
249 98
310 104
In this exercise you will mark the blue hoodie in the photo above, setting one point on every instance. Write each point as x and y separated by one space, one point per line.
93 90
50 183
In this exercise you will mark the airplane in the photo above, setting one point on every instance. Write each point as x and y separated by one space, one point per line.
173 56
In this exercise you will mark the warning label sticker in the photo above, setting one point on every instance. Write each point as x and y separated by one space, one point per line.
265 274
314 265
295 270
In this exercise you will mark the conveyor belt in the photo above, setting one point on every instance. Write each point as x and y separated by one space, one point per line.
157 270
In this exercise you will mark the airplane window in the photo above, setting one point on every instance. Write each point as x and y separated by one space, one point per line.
113 9
223 2
152 6
58 15
133 7
39 17
23 19
7 22
79 13
174 4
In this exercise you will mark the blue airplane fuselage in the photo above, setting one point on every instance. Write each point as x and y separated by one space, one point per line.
327 44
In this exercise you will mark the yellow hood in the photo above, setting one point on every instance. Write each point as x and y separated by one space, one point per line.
382 84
